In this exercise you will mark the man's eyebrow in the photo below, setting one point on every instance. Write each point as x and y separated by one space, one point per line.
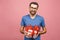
33 8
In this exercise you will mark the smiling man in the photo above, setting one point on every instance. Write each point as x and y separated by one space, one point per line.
33 19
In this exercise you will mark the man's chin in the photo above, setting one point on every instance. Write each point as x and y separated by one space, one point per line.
33 14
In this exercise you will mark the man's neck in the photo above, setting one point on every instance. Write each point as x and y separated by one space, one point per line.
32 16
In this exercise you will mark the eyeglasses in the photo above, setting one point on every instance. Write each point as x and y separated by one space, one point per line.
33 8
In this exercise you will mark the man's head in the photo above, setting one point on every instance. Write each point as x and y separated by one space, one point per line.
33 7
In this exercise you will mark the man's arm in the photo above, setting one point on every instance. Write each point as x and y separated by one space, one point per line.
43 26
22 29
43 30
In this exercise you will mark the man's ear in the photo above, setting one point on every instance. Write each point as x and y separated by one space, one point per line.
37 8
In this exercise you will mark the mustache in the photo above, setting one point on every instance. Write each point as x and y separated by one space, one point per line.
32 11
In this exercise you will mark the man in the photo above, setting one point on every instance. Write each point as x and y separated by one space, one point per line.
33 19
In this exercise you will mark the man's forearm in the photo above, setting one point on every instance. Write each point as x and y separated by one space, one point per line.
44 31
22 30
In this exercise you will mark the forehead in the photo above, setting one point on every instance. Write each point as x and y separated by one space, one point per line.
33 5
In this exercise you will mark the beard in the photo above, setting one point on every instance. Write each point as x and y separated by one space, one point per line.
32 13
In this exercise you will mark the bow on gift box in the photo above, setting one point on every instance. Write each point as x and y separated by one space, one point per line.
29 30
36 30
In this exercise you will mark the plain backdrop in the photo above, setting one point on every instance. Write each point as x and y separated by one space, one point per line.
11 12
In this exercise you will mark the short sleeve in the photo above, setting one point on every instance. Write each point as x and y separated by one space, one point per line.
22 22
42 23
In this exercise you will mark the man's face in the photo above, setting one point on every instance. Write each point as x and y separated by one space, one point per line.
33 9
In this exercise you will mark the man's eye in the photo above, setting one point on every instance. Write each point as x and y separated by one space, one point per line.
33 8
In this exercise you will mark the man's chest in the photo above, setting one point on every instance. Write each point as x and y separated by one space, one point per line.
35 21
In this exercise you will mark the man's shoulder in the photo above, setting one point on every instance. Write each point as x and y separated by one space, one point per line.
25 16
39 16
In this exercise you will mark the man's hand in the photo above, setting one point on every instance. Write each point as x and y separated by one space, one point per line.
27 35
22 30
35 36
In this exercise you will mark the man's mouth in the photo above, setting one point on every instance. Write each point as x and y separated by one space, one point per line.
32 11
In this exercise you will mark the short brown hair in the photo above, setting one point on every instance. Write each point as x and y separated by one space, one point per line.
34 3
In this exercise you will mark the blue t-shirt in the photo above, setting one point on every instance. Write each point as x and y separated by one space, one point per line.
38 20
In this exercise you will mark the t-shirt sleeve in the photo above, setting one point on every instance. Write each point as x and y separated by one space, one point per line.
42 23
22 22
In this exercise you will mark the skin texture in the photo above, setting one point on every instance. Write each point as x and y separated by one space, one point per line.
33 9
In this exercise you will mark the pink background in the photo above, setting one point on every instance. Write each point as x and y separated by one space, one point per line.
11 12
